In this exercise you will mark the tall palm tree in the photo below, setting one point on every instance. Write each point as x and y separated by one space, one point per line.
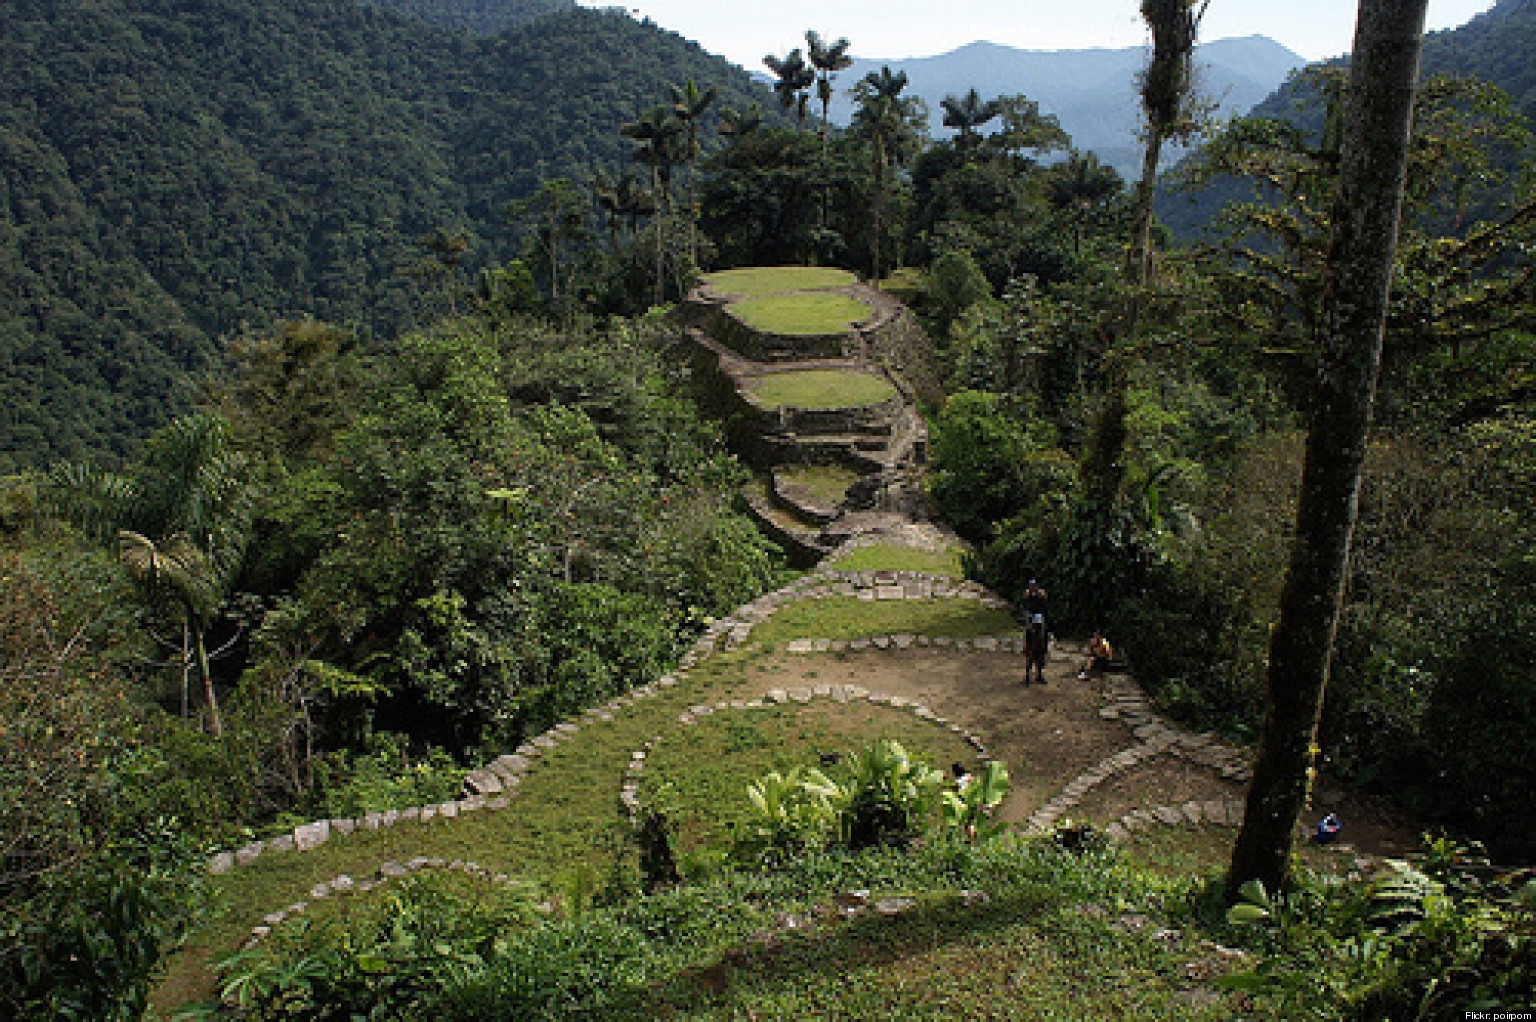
966 114
795 78
179 522
656 134
1078 185
826 60
892 125
688 105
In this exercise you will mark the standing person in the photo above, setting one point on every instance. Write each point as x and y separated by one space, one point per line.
1034 600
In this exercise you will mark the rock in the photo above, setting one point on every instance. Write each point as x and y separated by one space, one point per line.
894 906
391 868
852 899
483 782
342 884
343 826
221 863
281 843
311 835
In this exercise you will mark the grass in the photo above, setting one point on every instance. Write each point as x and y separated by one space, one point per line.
707 802
563 820
762 280
809 314
1042 945
898 557
847 617
820 389
824 485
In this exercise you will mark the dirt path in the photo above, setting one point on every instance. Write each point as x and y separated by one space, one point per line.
1052 734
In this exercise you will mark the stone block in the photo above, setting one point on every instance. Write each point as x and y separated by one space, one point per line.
483 783
311 835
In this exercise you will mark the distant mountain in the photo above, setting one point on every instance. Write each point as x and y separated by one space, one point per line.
1092 92
1495 46
170 170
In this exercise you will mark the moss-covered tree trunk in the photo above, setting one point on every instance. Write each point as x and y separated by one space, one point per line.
1383 77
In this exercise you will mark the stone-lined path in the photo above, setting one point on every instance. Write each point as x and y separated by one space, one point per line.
495 786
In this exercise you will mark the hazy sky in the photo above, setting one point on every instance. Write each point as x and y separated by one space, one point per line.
744 30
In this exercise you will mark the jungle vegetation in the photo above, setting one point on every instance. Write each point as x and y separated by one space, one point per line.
353 444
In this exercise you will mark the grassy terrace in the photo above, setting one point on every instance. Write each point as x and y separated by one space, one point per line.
763 280
707 802
823 485
894 557
820 389
803 314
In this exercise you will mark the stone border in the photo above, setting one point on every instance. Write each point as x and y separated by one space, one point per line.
1128 703
1217 812
390 869
629 791
959 644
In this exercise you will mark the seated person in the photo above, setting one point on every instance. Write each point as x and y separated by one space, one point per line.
1099 653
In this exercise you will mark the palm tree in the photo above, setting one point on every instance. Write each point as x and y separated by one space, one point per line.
966 114
179 523
795 78
826 60
892 125
741 122
688 105
656 135
1076 186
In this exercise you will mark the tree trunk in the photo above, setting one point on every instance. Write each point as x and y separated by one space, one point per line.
202 668
1383 75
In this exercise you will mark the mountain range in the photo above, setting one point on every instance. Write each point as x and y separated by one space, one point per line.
1092 92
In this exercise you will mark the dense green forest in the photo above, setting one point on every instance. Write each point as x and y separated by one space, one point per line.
170 172
486 17
360 447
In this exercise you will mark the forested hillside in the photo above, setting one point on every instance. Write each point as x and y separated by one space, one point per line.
483 16
1494 47
171 171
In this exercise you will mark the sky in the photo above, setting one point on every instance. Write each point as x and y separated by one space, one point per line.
745 30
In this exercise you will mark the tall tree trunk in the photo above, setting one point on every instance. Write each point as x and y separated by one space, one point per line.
209 695
1383 75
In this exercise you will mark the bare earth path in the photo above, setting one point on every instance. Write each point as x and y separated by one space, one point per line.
1052 734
